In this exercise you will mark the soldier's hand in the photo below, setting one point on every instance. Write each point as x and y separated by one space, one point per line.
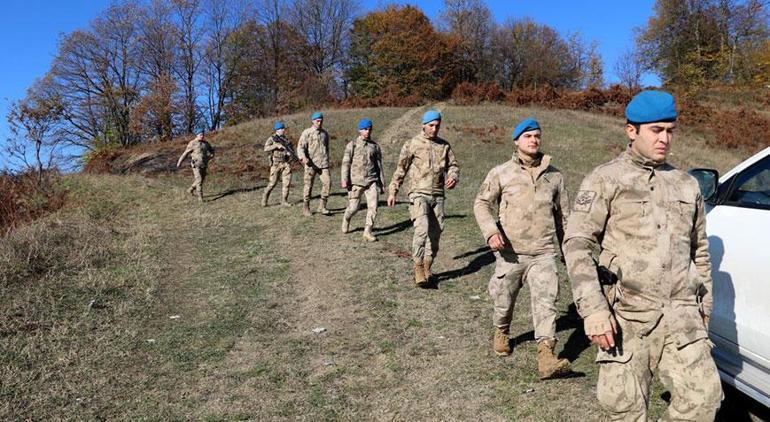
450 183
601 329
496 242
391 201
344 184
305 161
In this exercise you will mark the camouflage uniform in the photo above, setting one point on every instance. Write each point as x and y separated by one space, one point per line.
362 169
533 193
648 221
200 153
429 163
314 146
279 166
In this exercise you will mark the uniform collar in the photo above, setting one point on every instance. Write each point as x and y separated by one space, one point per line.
542 161
640 161
362 139
426 138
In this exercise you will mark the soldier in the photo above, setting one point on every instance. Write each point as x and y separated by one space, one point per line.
431 166
313 151
200 153
281 153
362 174
525 189
647 300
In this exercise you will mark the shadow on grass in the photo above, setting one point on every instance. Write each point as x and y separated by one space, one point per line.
484 257
575 344
403 225
220 195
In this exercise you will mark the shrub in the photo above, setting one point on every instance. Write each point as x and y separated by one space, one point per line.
24 197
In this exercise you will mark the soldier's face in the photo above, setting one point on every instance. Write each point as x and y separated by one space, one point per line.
318 123
431 128
280 132
366 133
653 139
529 142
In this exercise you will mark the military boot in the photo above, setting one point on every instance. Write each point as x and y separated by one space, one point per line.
502 344
345 223
548 365
264 199
191 190
200 194
426 264
285 200
419 276
306 209
322 207
368 236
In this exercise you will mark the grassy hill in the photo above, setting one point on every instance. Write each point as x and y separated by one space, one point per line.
136 302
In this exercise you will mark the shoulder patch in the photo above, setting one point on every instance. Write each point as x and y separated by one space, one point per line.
584 200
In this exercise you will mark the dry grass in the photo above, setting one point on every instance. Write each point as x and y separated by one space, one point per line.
249 285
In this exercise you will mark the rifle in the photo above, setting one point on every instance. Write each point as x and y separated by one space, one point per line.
287 147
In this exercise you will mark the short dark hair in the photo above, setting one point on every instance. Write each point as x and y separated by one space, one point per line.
637 126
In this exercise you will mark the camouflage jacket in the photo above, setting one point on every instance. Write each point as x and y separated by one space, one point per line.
649 225
200 153
314 146
532 207
278 153
428 162
362 163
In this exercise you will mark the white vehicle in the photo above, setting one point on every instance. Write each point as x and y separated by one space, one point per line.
738 227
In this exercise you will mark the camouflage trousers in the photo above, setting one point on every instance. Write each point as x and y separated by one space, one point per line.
539 272
427 214
687 371
326 182
372 193
199 173
284 171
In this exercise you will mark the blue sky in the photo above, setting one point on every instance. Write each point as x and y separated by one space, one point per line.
30 30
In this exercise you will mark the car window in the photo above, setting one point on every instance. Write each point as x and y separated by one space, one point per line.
752 188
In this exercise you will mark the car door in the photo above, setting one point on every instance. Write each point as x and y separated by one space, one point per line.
738 227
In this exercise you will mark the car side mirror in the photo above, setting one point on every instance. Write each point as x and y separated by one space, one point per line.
708 180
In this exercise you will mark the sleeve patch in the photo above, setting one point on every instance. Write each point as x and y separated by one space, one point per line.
584 200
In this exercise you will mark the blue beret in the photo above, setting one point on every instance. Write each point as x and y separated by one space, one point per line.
525 126
430 116
364 124
317 115
278 125
651 106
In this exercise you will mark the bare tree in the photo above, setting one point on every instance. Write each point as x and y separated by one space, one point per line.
97 78
269 14
35 122
325 26
189 34
629 68
220 55
157 45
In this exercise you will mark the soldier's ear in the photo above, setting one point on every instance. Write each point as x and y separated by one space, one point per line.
631 132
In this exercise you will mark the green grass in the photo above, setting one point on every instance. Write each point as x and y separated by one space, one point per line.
249 284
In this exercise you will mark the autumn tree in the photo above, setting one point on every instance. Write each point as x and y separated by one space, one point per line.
528 54
397 51
470 23
155 114
698 42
